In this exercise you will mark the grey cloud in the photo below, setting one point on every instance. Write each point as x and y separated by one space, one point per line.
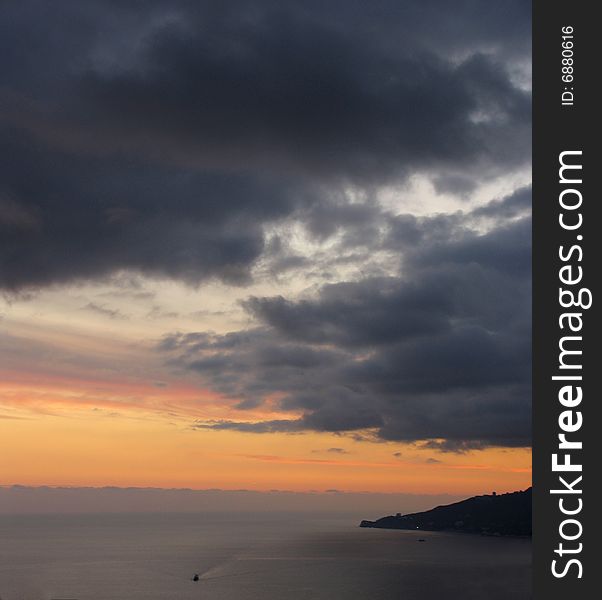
368 305
453 446
249 365
452 277
105 311
172 222
455 184
157 313
334 450
504 250
307 101
163 141
281 425
359 356
513 205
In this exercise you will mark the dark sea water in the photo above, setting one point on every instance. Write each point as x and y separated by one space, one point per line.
250 557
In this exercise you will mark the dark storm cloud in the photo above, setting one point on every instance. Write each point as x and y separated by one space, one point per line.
439 352
448 271
81 217
163 137
515 205
311 103
356 313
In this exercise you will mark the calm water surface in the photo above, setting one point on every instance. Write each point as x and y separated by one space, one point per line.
250 557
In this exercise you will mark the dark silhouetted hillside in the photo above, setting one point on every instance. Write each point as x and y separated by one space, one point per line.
506 514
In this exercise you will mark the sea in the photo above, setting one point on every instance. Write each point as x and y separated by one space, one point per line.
250 556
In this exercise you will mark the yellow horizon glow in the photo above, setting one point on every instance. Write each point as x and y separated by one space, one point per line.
144 450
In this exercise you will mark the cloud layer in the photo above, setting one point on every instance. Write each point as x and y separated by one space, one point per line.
439 351
174 140
165 141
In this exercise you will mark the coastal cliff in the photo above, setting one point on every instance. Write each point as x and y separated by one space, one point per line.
505 514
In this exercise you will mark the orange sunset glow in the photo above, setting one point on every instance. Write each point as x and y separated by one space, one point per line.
108 425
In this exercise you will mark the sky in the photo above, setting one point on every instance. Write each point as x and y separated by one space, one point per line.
266 245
